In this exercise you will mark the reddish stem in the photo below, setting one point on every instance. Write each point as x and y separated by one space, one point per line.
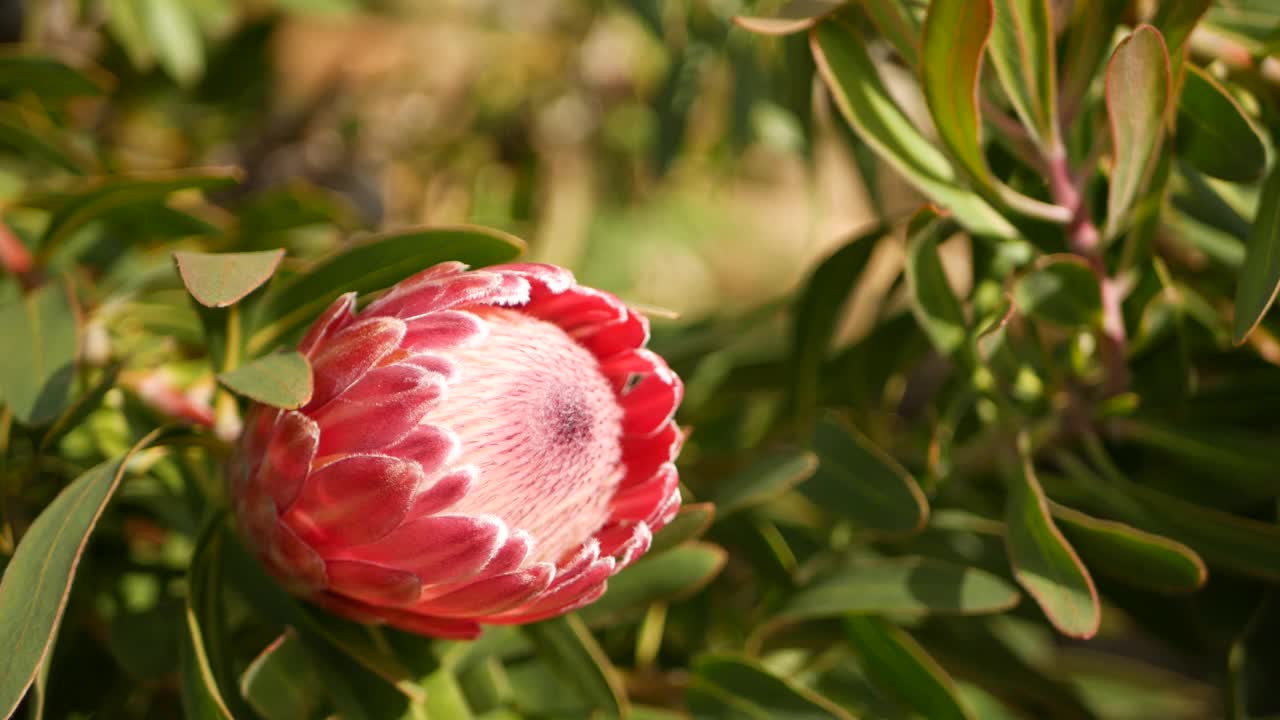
1085 241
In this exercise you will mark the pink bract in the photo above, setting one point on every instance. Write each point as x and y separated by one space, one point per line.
484 446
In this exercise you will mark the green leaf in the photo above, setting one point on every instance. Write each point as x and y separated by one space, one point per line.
897 664
37 580
1044 563
670 576
281 683
1089 37
1062 289
689 524
1214 133
374 264
934 303
1176 20
858 481
223 279
766 479
1022 51
48 77
36 382
864 101
205 662
1131 555
79 410
175 38
444 697
903 586
567 647
817 311
280 380
1259 277
897 24
17 136
1222 539
955 36
96 198
1240 460
1138 90
794 17
728 687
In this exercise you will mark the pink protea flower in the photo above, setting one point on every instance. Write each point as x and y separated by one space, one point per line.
483 446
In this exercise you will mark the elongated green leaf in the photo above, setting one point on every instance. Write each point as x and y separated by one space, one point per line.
223 279
48 77
728 687
689 524
567 647
373 265
75 209
1222 539
1044 563
1241 461
1129 554
765 480
896 663
205 662
906 586
1175 21
1091 28
444 697
78 411
858 481
1138 94
1259 277
1214 134
1062 289
37 580
897 24
671 576
41 331
16 135
934 303
817 311
280 380
794 17
862 98
175 38
281 683
1022 51
955 36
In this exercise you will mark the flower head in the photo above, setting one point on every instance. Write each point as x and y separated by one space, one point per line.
482 446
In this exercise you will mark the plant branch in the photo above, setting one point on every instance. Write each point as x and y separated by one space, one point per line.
1085 241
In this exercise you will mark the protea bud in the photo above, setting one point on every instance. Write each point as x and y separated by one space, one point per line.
482 446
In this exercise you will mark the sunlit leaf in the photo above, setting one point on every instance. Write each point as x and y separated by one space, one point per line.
895 662
280 380
35 383
1044 563
864 101
1138 93
907 586
955 37
1022 51
223 279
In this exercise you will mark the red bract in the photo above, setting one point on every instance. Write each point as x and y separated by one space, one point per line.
482 446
